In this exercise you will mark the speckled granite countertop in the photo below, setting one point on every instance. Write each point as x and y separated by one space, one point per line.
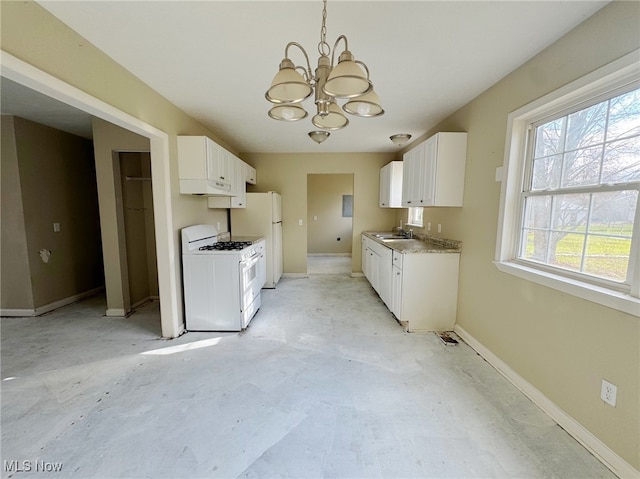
420 244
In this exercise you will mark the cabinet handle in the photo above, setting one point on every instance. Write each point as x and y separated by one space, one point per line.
408 202
222 177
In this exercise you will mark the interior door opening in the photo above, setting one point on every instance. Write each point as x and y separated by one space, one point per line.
329 223
137 220
31 77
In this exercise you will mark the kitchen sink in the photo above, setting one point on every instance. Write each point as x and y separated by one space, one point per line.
390 236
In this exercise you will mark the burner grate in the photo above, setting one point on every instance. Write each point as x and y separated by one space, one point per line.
226 246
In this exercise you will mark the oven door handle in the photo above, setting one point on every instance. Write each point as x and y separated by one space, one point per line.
251 260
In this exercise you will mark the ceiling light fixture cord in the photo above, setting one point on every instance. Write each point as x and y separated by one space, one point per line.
347 79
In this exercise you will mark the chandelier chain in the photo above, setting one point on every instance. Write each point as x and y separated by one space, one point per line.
323 46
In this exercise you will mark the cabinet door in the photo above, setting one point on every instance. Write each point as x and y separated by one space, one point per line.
413 177
408 178
429 165
250 175
239 187
385 275
385 187
391 185
225 166
364 257
212 160
374 269
396 291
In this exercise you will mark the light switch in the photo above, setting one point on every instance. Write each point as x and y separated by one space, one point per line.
300 222
315 218
56 227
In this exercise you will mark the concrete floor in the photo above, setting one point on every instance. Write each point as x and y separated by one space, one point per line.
324 383
327 264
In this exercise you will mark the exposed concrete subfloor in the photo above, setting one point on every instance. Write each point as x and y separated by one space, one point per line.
328 264
324 383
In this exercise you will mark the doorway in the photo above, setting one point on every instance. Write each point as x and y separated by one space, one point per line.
329 223
134 194
168 271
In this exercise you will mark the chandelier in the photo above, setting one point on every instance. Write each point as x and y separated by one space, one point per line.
349 80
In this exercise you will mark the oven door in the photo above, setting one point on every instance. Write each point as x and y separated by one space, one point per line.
249 280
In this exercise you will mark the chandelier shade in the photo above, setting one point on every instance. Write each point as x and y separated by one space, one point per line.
288 86
348 79
366 106
333 120
288 112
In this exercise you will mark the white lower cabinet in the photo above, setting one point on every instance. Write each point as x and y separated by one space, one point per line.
428 293
420 289
376 266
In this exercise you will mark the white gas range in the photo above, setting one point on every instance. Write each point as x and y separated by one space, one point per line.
222 278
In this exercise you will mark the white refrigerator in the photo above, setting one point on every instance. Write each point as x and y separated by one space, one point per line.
262 217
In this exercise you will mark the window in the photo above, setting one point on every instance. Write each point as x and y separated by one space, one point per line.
570 206
415 216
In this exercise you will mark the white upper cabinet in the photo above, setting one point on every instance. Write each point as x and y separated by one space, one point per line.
239 175
391 185
433 172
250 174
204 167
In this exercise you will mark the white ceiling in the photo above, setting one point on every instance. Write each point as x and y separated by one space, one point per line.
215 59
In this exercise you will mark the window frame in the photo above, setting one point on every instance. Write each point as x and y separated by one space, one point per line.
411 219
613 77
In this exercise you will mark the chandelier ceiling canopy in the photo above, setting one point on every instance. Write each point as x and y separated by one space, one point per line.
348 79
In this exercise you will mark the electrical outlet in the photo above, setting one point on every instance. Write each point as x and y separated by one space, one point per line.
439 228
429 226
609 393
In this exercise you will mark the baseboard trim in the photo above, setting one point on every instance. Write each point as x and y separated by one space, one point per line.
144 301
295 275
608 457
116 313
357 275
329 254
17 313
47 308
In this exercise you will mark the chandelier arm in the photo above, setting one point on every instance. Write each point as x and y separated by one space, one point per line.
363 66
335 46
304 52
305 74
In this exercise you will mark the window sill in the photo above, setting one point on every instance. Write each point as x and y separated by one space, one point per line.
606 297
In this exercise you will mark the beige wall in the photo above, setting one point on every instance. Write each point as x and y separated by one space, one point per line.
15 280
287 174
325 223
561 344
57 182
